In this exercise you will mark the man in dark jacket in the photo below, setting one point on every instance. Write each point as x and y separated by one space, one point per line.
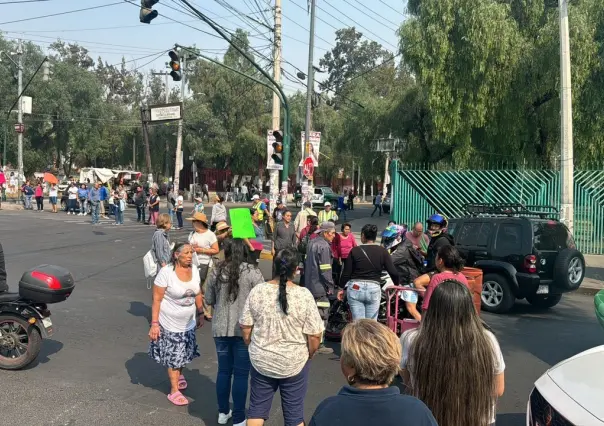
408 262
140 199
318 277
439 237
3 284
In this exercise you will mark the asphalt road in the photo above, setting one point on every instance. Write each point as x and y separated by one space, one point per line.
95 369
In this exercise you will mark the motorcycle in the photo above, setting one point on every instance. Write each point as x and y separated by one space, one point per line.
25 317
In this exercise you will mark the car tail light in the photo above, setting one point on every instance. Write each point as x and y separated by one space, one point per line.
530 264
50 280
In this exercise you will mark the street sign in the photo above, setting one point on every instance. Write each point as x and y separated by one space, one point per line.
19 127
308 167
166 112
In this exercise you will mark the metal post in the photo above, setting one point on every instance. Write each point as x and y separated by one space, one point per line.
167 90
358 181
566 145
309 94
386 175
133 152
146 140
20 111
178 165
274 174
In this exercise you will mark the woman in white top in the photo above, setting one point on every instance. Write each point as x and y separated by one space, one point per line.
281 323
72 198
179 208
453 363
176 313
219 213
53 193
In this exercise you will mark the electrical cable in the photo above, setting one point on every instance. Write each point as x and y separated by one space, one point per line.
379 21
354 77
21 1
359 25
387 5
61 13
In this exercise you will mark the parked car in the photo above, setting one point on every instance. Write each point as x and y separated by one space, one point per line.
65 198
571 392
524 252
323 194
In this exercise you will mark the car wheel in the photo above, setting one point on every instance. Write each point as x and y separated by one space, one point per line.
544 300
497 296
569 269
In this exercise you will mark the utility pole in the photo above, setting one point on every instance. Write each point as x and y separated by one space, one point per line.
307 195
20 110
133 152
274 174
146 139
167 100
566 115
178 165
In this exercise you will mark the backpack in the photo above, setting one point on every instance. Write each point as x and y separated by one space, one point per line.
303 245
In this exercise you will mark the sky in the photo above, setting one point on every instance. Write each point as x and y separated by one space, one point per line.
114 31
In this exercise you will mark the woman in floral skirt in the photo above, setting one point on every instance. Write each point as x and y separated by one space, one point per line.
177 311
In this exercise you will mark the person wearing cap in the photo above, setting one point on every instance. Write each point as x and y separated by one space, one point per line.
302 218
205 245
318 277
279 211
198 207
260 206
219 213
327 214
223 234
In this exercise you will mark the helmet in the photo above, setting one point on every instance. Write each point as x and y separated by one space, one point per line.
437 219
393 236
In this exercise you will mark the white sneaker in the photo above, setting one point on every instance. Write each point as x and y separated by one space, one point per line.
223 419
243 423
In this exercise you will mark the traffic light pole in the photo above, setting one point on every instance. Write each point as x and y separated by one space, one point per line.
277 87
178 164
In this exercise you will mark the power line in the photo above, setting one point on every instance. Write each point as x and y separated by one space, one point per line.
354 77
21 1
61 13
387 5
152 60
379 21
369 31
304 28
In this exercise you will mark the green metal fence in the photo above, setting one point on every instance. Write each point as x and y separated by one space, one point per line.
419 191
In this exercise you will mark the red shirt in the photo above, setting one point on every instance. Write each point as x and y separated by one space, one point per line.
437 279
39 192
305 231
345 245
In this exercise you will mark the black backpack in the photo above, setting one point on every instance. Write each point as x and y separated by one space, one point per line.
303 245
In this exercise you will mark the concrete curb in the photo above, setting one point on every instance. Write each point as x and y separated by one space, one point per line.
12 207
588 291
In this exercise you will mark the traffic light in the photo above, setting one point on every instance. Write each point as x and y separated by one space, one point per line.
147 13
277 155
176 72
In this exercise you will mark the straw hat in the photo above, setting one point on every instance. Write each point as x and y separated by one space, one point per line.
200 217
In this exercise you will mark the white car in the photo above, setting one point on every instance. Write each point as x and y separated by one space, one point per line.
571 393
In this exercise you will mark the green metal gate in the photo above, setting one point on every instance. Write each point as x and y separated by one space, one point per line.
419 191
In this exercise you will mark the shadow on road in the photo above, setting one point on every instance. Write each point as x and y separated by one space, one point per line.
139 309
49 347
200 391
511 419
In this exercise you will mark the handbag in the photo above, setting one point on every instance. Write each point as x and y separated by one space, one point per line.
149 264
382 282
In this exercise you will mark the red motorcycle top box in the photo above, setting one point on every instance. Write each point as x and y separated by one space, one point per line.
46 284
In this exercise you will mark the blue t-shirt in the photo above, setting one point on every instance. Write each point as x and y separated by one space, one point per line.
362 407
82 193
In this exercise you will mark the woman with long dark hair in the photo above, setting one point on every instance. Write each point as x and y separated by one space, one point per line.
282 325
449 265
228 287
452 362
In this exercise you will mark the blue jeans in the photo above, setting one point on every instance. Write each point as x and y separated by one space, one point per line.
119 216
233 363
364 298
171 212
28 201
95 208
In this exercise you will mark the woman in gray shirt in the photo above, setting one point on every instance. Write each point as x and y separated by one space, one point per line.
228 287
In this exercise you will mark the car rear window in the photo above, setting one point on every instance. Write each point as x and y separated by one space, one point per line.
552 236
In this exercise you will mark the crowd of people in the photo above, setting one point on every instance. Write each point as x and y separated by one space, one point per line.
267 332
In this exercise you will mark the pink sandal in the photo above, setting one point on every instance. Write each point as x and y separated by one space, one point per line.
178 398
182 383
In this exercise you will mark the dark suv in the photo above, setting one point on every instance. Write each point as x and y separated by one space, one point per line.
524 252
